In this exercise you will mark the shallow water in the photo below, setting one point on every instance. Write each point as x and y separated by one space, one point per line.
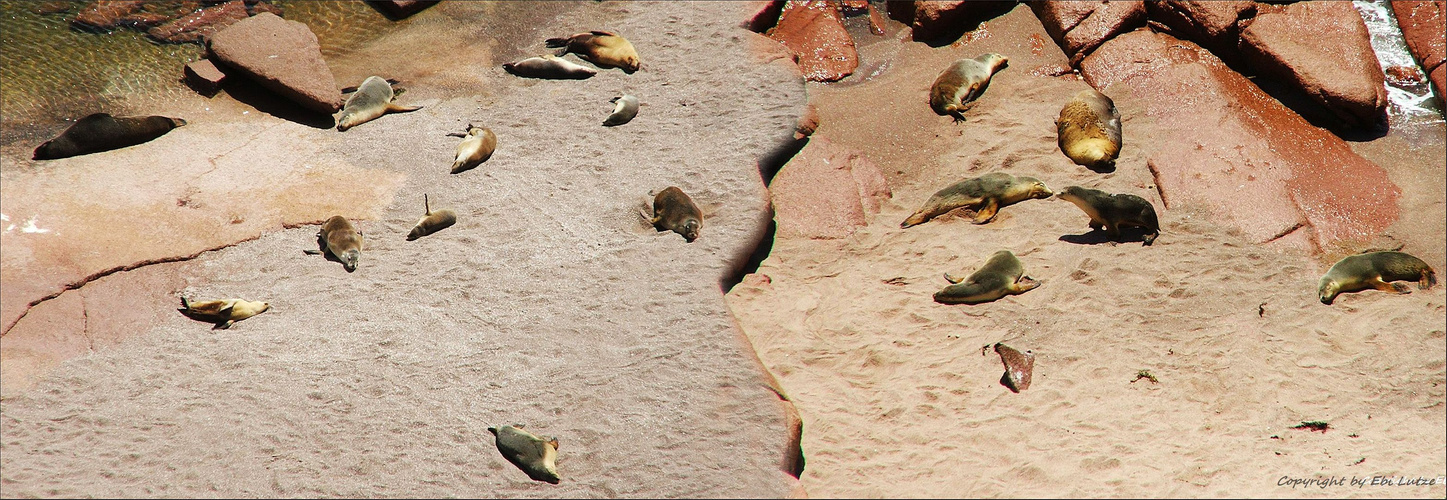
1412 108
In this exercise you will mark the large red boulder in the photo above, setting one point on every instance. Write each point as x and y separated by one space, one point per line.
105 15
1423 23
282 56
929 19
1324 49
1213 24
814 32
1079 27
826 191
1220 142
195 27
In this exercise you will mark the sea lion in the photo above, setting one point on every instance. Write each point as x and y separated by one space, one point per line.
1088 130
432 222
984 194
1112 211
1018 367
1000 276
602 48
224 312
549 67
372 99
956 89
623 112
476 147
1375 270
675 211
103 132
339 238
535 455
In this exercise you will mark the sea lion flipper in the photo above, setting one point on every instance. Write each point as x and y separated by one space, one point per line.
553 43
312 252
224 325
987 211
393 107
952 279
601 33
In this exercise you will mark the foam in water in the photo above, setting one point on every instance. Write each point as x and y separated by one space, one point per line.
1411 101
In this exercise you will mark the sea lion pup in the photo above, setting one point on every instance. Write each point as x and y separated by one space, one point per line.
623 112
984 194
956 89
535 455
602 48
1112 211
549 67
476 147
372 99
223 313
339 238
1000 276
1018 367
103 132
432 222
1088 130
1375 270
675 211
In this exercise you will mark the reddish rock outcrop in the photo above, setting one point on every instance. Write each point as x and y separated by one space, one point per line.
1423 23
204 77
1259 166
282 56
142 21
814 32
105 15
199 25
930 19
826 191
1213 24
1080 27
767 16
1342 75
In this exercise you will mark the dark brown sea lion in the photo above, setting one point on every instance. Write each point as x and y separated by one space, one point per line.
103 132
674 211
1375 270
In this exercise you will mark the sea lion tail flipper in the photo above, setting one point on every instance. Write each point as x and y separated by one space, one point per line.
224 325
553 441
987 211
456 134
426 205
348 90
952 279
554 43
601 33
312 252
1025 284
393 107
1429 278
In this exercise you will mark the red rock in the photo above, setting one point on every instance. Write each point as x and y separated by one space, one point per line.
1438 77
1404 75
765 50
1343 75
825 191
1259 166
204 77
282 56
142 21
1213 24
876 21
807 123
934 18
766 17
1423 23
399 9
814 32
105 15
197 26
1079 27
260 7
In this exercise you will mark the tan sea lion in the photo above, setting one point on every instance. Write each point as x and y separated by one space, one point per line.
956 89
1375 270
103 132
984 194
342 240
1000 276
432 222
602 48
223 313
535 455
1018 367
675 211
1113 211
371 100
476 147
549 67
623 112
1088 130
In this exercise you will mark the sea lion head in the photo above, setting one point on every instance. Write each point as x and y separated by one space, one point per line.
349 120
994 61
689 230
629 64
1038 190
349 259
1328 290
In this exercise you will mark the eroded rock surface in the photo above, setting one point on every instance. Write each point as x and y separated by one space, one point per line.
1213 24
814 32
1342 76
1080 27
826 191
1423 23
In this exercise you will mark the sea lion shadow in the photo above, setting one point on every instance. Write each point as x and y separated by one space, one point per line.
1098 236
252 94
1102 169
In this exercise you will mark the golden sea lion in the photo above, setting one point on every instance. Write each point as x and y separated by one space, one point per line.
956 89
1088 130
1000 276
1018 367
1375 270
103 132
985 194
535 455
371 100
623 112
223 313
673 210
476 147
602 48
1113 211
432 222
342 240
549 67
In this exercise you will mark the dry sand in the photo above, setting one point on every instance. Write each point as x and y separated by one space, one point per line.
900 398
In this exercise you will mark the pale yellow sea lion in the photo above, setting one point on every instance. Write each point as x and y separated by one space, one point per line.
1088 130
431 222
223 313
625 108
371 100
1000 276
476 147
602 48
955 90
342 240
984 194
535 455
